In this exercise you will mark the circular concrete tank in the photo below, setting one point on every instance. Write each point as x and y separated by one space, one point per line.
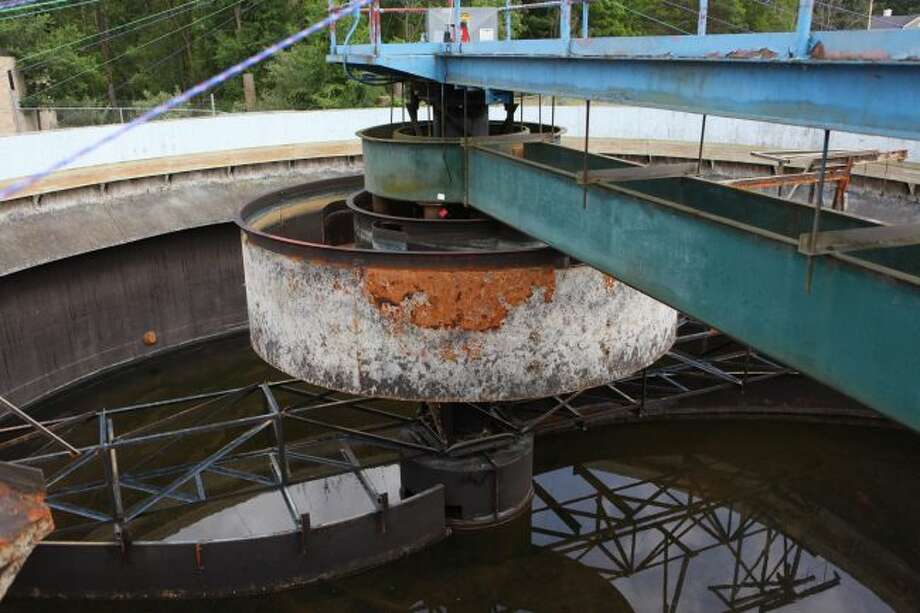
457 326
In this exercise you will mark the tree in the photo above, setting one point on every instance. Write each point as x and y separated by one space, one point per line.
137 50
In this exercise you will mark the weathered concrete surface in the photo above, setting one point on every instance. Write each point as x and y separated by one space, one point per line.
24 519
82 220
449 336
12 88
87 279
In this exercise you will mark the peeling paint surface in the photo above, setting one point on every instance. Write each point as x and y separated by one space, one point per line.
470 300
24 521
449 336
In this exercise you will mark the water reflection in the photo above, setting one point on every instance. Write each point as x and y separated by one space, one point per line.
328 500
663 517
665 546
671 516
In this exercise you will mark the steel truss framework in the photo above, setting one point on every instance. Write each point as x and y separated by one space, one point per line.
629 526
835 80
269 435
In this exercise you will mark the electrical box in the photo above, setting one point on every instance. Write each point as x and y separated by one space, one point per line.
481 24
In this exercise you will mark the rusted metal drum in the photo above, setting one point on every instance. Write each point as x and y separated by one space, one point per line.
435 326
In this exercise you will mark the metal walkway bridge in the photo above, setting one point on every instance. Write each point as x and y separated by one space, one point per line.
827 293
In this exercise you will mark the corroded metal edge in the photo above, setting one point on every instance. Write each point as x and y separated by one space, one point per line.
25 519
390 132
351 256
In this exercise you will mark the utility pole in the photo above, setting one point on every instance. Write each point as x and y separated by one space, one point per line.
249 91
869 21
102 26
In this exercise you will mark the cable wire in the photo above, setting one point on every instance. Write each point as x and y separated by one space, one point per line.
112 33
875 19
130 51
159 62
48 10
176 101
16 5
709 17
776 7
649 17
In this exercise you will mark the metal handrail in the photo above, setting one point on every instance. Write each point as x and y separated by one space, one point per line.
375 11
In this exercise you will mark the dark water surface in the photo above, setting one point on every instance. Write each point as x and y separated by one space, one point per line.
696 515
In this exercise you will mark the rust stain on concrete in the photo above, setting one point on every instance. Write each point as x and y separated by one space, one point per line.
473 300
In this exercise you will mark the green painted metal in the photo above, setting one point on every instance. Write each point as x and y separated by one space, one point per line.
727 257
424 169
429 170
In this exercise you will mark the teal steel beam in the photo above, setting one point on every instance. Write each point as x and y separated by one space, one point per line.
730 258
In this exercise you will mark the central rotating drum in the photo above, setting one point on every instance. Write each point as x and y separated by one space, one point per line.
402 292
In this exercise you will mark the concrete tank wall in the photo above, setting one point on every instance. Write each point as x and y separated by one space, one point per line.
25 154
448 334
35 233
69 319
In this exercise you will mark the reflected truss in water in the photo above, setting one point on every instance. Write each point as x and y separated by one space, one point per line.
657 521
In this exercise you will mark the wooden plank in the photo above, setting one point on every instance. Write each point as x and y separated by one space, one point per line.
841 241
800 178
904 172
95 175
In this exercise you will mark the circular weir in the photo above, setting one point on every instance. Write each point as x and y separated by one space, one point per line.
395 318
402 291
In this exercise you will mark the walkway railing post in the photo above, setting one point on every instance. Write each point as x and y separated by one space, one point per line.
702 18
374 20
332 42
455 19
803 27
565 22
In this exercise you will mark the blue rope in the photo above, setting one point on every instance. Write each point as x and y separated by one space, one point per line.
203 87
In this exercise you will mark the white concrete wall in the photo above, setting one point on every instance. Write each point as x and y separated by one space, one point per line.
635 122
25 154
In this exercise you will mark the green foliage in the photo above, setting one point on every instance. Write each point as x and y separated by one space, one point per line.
326 86
65 63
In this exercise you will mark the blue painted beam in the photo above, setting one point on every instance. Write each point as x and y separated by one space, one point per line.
879 99
729 258
858 46
854 81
